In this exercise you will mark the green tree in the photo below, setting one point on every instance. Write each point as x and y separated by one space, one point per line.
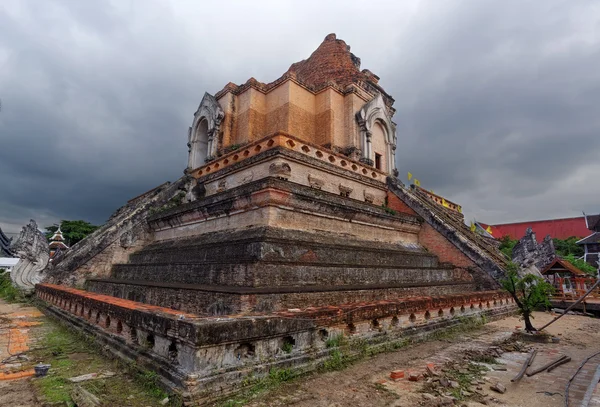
73 230
506 245
529 292
568 247
581 264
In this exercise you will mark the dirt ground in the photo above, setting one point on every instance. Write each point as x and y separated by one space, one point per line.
367 382
17 326
25 330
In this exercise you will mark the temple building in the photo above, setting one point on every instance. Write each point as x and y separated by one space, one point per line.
57 243
289 228
591 243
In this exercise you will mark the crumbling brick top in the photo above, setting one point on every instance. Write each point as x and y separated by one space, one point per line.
331 64
131 305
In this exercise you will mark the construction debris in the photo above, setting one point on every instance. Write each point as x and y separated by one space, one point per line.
527 363
560 362
90 376
546 366
498 387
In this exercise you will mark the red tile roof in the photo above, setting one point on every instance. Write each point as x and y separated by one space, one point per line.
556 228
565 264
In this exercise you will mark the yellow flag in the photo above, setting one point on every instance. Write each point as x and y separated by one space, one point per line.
459 208
489 230
417 183
431 190
473 227
444 203
409 176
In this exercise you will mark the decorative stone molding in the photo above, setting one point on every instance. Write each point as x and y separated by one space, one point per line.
345 190
222 185
369 197
280 170
315 182
372 112
204 133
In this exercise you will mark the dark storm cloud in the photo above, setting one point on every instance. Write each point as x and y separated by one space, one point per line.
497 101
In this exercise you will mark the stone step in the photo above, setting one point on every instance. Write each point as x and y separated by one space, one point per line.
277 274
224 300
284 246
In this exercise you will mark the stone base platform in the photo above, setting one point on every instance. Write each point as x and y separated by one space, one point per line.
207 358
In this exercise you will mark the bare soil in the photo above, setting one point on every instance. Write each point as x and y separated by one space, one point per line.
367 383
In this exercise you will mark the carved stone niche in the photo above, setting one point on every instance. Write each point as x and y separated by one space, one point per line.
203 136
280 170
315 182
376 111
222 186
345 191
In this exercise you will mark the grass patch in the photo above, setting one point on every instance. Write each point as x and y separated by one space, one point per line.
258 386
8 292
71 353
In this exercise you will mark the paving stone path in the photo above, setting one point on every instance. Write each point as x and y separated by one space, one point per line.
20 330
584 390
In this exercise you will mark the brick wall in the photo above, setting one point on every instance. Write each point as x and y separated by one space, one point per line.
442 247
396 204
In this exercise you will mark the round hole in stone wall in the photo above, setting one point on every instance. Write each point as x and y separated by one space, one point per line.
323 334
173 352
412 318
462 308
319 154
427 315
119 327
472 306
441 313
351 328
107 322
245 350
150 341
452 311
287 344
375 324
133 335
97 316
395 321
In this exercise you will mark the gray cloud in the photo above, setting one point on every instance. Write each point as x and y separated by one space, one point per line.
496 101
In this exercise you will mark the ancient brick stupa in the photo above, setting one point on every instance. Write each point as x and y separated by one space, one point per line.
289 228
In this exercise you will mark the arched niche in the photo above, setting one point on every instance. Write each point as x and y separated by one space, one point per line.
377 135
204 133
199 145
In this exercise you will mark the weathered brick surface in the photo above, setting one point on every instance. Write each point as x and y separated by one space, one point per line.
441 247
395 203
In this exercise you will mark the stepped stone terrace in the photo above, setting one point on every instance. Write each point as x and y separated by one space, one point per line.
288 229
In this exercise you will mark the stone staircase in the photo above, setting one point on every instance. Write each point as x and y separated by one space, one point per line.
266 270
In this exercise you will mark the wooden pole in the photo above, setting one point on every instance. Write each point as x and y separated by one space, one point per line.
572 305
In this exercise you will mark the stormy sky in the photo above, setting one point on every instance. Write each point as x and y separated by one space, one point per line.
498 102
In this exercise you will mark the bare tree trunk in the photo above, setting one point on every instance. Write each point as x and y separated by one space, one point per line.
528 326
